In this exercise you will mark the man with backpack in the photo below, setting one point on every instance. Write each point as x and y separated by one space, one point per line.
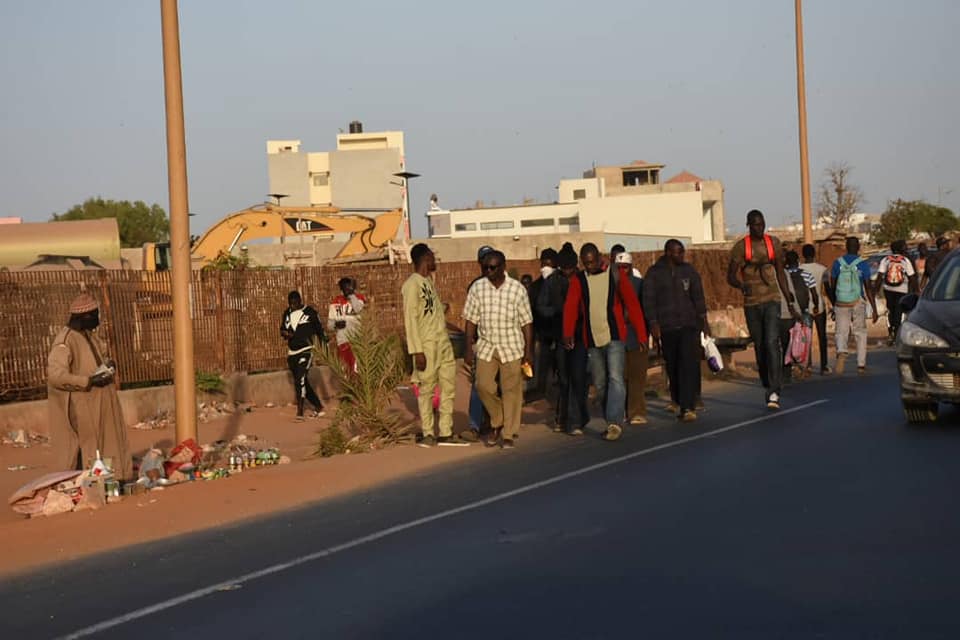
897 277
756 269
849 281
819 273
804 288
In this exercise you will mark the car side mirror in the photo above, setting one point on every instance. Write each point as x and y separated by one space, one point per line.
908 302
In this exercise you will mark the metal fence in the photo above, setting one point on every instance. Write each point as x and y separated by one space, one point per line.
236 314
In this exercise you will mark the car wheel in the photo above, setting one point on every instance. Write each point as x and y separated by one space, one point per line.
920 413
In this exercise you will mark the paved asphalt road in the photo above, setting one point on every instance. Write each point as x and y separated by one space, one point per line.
825 520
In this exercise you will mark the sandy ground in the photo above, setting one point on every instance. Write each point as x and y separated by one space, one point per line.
254 493
200 505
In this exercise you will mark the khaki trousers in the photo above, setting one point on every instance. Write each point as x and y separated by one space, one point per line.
441 369
504 410
636 375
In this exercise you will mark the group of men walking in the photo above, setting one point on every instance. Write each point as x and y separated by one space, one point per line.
582 327
779 291
587 320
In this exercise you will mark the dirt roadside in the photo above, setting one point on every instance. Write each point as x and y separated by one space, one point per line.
253 494
202 505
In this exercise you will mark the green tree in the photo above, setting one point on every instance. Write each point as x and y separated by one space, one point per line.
905 217
935 220
138 221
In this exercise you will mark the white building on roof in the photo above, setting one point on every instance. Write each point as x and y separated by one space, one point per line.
628 204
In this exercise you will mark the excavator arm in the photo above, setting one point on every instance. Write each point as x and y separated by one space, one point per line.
270 221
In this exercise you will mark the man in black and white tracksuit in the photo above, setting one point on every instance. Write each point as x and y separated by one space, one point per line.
299 326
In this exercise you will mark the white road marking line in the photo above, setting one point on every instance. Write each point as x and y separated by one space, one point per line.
234 583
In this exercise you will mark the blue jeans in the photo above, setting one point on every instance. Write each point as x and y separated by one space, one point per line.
606 369
476 408
763 323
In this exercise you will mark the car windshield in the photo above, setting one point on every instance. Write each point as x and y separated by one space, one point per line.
946 283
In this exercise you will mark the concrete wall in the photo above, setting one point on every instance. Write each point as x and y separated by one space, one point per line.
510 221
288 173
712 193
371 140
319 164
528 247
659 214
142 404
593 188
362 179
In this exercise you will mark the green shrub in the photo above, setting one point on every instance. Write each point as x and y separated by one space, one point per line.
209 382
332 442
366 397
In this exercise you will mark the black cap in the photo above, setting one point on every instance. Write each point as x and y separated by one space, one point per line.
548 254
483 251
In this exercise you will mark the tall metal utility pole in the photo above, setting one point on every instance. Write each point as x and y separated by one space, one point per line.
802 114
184 378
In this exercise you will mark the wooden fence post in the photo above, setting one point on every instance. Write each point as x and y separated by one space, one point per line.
221 327
112 342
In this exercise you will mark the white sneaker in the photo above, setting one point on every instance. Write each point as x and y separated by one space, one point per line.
773 402
613 432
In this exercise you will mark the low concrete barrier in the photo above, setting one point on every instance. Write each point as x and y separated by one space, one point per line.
142 404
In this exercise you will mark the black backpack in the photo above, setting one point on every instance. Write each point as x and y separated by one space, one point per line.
800 290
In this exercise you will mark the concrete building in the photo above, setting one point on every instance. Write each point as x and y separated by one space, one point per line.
627 204
357 176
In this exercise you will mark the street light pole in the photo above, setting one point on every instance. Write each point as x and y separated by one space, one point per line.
802 114
406 176
184 382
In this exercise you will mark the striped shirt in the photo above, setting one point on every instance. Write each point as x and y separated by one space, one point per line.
500 315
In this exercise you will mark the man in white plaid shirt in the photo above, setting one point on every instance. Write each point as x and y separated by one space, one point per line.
497 311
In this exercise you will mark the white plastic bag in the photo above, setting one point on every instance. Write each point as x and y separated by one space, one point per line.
711 353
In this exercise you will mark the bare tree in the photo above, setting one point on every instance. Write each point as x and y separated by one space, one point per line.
839 198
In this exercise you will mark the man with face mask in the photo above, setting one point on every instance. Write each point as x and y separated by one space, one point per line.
84 408
570 409
543 338
637 358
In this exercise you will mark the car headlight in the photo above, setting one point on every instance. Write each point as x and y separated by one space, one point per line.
915 336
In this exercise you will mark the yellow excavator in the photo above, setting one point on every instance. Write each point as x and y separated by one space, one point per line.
367 233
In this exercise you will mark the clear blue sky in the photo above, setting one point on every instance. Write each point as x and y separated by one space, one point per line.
498 99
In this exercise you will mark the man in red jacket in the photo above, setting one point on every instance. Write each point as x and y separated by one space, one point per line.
595 316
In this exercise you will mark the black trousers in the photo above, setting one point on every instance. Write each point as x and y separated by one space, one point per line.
894 314
820 322
299 366
681 358
579 413
558 392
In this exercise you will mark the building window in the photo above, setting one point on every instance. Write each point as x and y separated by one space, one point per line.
465 226
539 222
321 179
572 220
498 224
636 178
579 194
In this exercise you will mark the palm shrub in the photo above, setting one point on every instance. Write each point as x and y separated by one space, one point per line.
366 396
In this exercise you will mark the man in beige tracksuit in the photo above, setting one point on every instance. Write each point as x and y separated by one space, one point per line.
429 344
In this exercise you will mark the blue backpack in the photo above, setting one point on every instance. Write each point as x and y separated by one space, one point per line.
848 282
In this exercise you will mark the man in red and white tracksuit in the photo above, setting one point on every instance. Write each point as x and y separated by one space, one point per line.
344 314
